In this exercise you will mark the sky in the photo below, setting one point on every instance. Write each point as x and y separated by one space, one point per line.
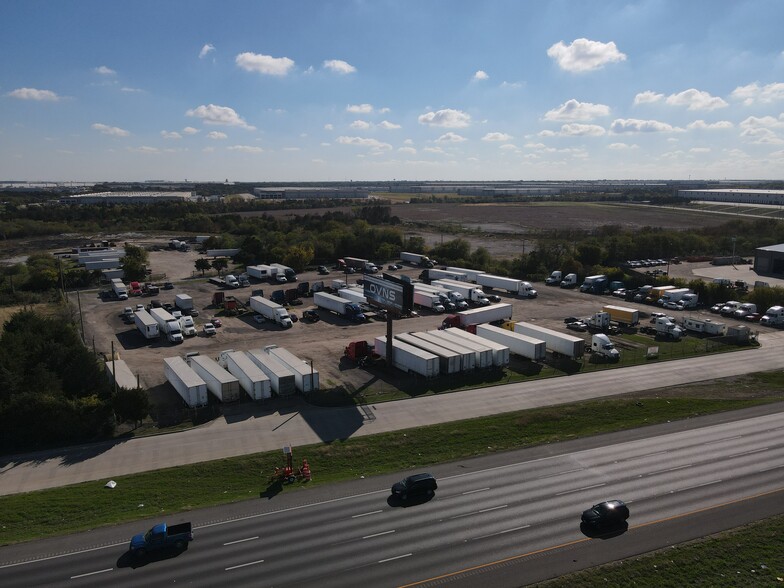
362 90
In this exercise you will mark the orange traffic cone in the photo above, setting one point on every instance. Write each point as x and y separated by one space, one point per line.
306 470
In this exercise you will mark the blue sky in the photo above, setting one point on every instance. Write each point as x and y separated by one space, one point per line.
379 90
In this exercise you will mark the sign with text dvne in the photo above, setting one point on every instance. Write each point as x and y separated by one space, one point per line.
389 292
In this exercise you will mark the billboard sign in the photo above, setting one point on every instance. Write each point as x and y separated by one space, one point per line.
389 292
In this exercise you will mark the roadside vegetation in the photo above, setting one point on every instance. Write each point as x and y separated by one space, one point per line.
161 493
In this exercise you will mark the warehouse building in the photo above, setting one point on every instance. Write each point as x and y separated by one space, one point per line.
127 198
307 193
736 196
769 261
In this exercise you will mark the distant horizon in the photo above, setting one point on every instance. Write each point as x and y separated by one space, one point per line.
443 90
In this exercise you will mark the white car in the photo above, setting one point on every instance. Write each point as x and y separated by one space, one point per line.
209 329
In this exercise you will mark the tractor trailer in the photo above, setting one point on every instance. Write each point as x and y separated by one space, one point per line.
485 314
623 316
272 311
469 291
428 300
517 287
340 306
167 325
416 259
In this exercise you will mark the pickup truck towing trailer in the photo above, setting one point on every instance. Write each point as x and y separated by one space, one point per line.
561 343
306 377
188 384
519 344
500 353
448 360
281 377
221 383
162 536
408 358
254 381
483 355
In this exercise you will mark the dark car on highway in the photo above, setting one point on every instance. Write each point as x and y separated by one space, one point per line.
416 485
606 514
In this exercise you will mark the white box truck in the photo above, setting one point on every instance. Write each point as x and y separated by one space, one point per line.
167 325
254 381
306 377
561 343
519 344
281 378
221 383
120 290
449 361
483 355
408 358
184 302
147 325
188 384
272 311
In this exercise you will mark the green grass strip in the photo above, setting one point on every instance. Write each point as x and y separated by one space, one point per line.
160 493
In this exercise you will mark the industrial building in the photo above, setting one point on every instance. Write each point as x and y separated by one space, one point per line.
127 198
736 196
308 193
769 261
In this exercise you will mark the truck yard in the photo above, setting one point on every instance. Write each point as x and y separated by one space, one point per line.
322 342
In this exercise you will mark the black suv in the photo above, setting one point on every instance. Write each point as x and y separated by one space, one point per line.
606 514
416 485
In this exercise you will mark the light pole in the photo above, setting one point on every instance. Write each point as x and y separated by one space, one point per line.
733 251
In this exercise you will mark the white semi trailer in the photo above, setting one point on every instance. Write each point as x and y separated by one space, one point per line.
272 311
518 287
147 325
483 355
408 358
519 344
254 381
448 361
467 356
224 386
561 343
499 352
281 377
306 377
188 384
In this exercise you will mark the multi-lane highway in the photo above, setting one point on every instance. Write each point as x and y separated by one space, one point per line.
507 514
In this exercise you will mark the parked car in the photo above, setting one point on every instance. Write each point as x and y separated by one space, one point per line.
392 266
494 298
417 485
168 286
606 514
671 305
620 292
577 326
570 319
216 322
310 315
139 307
753 317
716 308
322 270
209 329
258 318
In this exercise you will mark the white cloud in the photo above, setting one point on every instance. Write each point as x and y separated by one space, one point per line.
497 137
360 124
408 142
291 149
508 147
217 136
245 149
546 133
389 126
758 130
700 150
765 121
384 110
410 150
696 100
146 149
622 146
131 90
339 66
325 144
264 64
481 75
647 97
213 114
579 130
511 85
754 93
584 55
317 161
171 135
208 150
434 150
190 131
107 130
104 71
34 94
206 50
634 125
702 125
364 142
449 118
328 127
450 137
534 145
574 110
359 108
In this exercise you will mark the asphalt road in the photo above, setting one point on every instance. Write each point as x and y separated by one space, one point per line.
495 522
304 424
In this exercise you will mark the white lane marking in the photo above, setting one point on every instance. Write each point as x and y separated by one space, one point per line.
723 439
241 540
770 469
560 473
676 468
697 486
378 534
40 559
646 455
250 563
500 533
749 452
394 558
475 491
365 514
91 573
468 514
581 489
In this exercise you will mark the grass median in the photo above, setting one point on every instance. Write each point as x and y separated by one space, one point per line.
163 492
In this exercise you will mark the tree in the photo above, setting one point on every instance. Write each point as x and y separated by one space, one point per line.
203 264
131 405
220 264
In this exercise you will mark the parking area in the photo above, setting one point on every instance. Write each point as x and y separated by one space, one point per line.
319 342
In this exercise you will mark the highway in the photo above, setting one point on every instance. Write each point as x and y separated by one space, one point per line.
512 514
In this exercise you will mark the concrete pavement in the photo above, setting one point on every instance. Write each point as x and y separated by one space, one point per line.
266 430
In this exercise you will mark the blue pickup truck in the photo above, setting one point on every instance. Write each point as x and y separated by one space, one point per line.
160 536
